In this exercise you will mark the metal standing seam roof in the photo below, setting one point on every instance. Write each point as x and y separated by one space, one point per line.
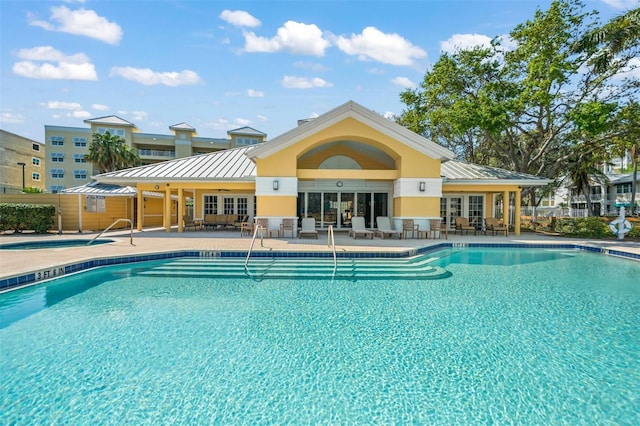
108 190
468 173
228 164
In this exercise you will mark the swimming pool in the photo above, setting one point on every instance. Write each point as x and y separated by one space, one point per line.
48 244
508 336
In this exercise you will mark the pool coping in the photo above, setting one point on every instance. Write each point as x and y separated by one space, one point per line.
35 277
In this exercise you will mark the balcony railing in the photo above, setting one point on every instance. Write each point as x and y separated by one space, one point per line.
156 153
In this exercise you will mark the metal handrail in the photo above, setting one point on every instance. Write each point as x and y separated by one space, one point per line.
111 226
332 243
253 240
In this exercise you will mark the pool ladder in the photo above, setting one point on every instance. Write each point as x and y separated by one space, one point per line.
330 242
111 226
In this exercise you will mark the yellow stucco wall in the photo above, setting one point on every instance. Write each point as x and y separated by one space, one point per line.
276 206
416 207
409 162
116 208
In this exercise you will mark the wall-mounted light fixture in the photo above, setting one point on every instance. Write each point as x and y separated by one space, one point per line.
422 186
156 187
275 185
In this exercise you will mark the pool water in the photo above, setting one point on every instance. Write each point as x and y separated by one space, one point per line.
509 336
48 244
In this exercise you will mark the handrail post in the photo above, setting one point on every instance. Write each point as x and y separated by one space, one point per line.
111 226
332 243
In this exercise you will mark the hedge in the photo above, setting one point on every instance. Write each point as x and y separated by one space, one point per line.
19 217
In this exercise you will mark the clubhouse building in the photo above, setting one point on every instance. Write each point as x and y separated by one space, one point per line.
347 162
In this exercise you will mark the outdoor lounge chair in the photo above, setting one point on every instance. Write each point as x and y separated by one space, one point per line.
462 224
358 228
308 228
492 224
384 228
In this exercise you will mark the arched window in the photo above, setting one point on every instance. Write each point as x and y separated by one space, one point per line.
340 162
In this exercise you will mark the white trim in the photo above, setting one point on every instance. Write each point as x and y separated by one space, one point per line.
501 182
287 186
410 187
367 117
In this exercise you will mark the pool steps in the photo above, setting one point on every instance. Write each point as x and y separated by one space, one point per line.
263 268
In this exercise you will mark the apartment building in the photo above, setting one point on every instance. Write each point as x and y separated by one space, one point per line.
22 163
67 146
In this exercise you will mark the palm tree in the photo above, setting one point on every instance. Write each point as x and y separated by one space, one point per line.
109 153
620 34
582 172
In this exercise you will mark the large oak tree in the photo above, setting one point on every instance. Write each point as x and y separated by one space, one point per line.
530 108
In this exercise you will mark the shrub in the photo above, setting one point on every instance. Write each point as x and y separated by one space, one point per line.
590 227
18 217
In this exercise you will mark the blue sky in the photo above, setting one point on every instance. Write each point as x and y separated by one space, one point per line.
220 65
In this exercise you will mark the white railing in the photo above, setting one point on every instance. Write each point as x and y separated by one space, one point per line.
253 240
332 243
111 226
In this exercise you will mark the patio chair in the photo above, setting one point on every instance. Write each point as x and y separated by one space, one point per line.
409 226
384 228
308 228
462 224
263 225
358 228
190 223
436 229
494 225
287 225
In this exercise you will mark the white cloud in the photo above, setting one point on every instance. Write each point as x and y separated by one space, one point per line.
74 67
80 22
389 115
292 82
255 93
240 18
262 118
9 117
632 70
293 37
74 106
242 122
622 4
225 124
311 66
149 77
100 107
464 41
404 82
79 114
139 115
373 44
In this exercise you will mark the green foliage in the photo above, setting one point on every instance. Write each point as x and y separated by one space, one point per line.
110 153
32 190
531 108
19 217
635 232
590 227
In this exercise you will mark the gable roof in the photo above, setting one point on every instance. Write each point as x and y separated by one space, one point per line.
182 126
459 172
246 130
110 120
354 110
225 165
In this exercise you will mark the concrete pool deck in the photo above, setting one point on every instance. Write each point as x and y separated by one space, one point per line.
19 262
